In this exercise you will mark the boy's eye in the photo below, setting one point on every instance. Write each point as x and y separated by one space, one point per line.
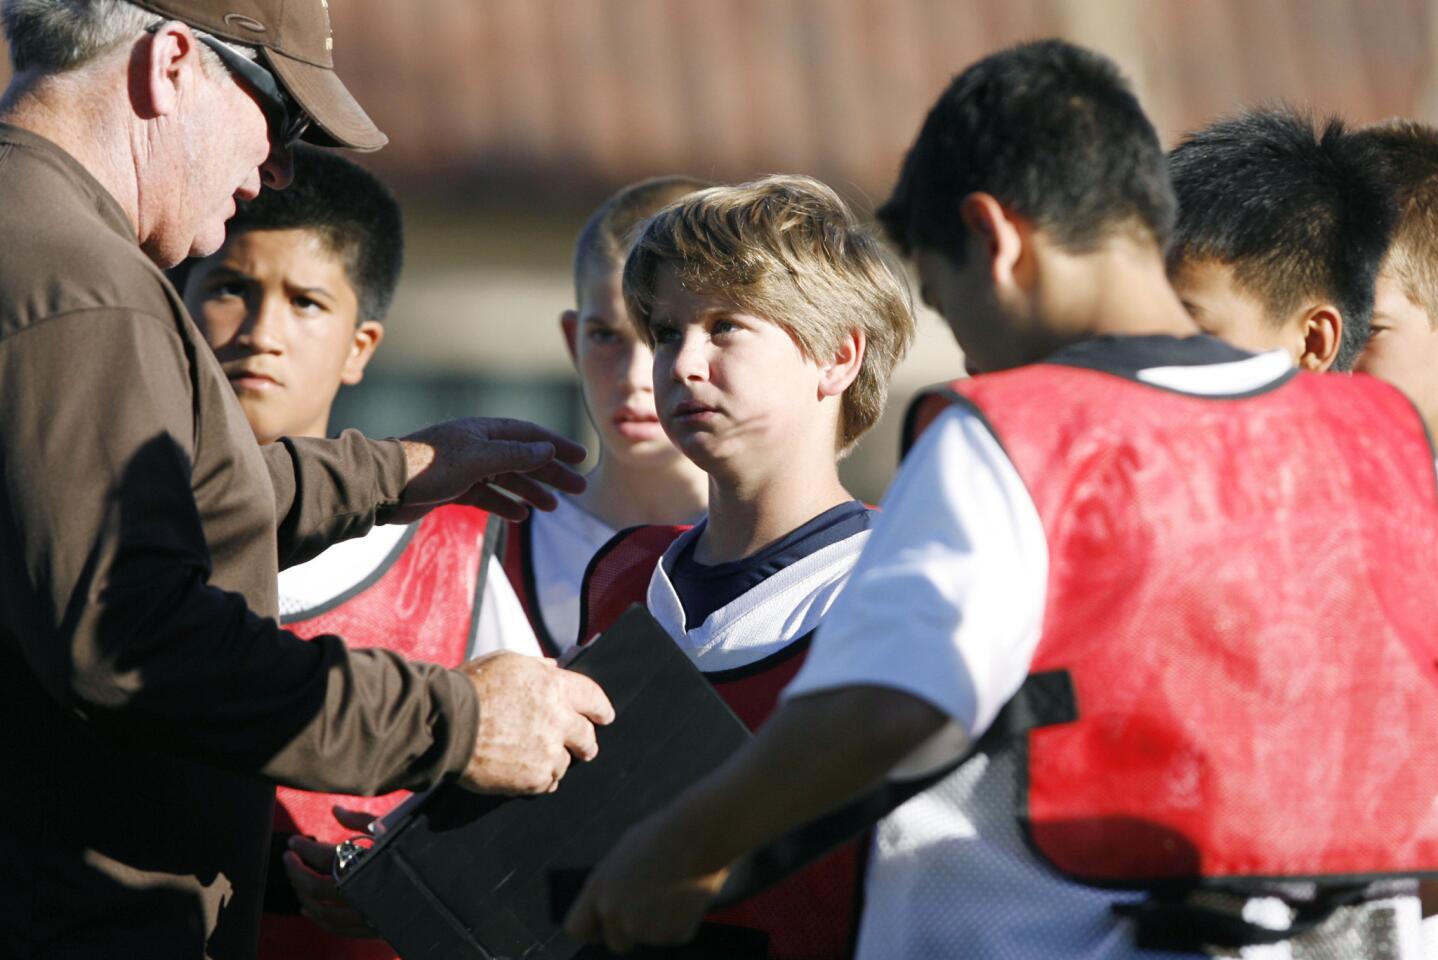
307 305
723 325
664 334
602 335
233 288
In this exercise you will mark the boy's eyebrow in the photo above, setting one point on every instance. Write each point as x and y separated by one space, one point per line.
324 290
221 270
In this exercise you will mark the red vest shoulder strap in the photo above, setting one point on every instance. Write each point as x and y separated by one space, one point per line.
923 410
618 575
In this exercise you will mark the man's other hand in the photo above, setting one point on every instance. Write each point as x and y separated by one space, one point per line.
310 867
495 464
533 717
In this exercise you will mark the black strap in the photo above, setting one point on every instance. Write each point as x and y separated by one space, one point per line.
1177 923
1044 699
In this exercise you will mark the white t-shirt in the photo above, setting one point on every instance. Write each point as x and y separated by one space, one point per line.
946 604
562 542
349 563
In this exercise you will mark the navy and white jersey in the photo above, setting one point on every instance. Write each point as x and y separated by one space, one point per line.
734 615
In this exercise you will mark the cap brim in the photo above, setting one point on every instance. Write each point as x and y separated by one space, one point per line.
339 120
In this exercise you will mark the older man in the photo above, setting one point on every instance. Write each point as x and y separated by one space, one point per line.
146 695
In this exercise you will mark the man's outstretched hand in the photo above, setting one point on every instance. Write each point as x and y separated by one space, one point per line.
473 459
533 718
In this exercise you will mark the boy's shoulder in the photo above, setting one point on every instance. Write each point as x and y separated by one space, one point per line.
619 573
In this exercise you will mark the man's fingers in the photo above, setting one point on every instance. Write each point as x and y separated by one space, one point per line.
528 490
588 698
307 883
315 855
503 428
580 741
559 476
353 819
486 498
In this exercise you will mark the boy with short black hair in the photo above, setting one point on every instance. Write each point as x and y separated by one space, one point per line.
1281 231
776 319
1102 628
293 305
640 477
1403 345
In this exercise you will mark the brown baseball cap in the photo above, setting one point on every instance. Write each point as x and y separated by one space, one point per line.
296 43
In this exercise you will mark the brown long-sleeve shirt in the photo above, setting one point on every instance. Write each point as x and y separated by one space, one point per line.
146 692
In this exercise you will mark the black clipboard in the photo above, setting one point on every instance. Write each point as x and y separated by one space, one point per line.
461 876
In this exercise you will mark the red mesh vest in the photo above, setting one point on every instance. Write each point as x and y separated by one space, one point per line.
1244 594
422 603
814 914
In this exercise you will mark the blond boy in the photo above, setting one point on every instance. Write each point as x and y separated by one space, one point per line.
776 320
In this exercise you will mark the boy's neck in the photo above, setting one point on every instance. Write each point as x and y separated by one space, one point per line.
627 495
1120 289
749 514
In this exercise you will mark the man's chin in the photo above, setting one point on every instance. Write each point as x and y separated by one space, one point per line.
208 242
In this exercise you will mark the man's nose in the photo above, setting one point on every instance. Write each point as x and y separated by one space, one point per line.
278 170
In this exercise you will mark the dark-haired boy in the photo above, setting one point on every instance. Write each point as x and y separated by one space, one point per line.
293 306
1281 229
1110 533
1403 345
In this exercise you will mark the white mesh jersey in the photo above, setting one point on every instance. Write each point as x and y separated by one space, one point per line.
562 542
953 581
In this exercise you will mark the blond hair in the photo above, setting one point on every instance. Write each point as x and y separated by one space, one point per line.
787 249
1410 167
605 237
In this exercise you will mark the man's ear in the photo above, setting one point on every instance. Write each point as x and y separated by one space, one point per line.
1001 237
1322 336
158 65
569 325
367 337
843 368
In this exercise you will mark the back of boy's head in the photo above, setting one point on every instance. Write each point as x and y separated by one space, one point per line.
349 210
1295 212
605 238
1409 155
1050 130
788 250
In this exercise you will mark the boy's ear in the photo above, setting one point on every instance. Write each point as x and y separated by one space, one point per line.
569 324
1322 336
367 337
1002 237
842 370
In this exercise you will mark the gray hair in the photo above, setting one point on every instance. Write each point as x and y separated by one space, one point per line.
53 36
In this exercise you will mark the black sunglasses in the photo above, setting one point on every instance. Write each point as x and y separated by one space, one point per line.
293 121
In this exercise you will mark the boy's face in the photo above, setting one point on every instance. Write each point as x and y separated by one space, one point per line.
1223 310
1403 347
278 309
616 370
733 389
989 336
